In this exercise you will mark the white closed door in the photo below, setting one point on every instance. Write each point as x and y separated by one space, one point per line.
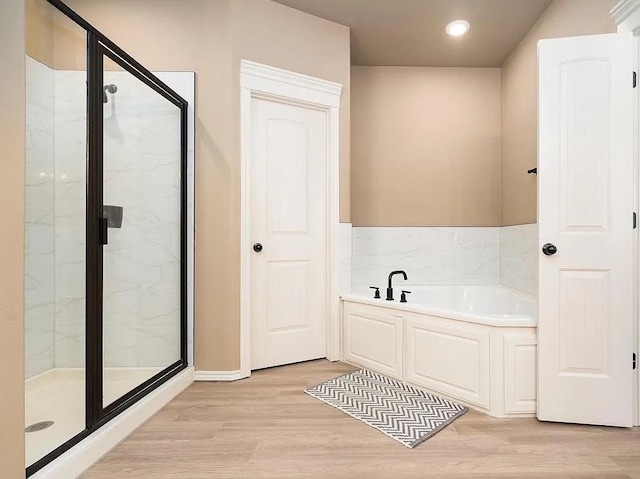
288 148
585 211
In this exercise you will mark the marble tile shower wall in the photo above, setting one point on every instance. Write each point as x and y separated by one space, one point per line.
39 220
430 256
142 172
70 204
141 261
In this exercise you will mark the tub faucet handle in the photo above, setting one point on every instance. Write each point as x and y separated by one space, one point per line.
377 293
403 296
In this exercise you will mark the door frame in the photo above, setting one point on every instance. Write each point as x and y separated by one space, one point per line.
96 411
626 15
269 83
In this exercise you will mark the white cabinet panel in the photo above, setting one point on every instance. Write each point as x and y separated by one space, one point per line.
446 358
490 368
373 339
520 378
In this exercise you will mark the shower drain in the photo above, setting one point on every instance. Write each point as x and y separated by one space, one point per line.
39 426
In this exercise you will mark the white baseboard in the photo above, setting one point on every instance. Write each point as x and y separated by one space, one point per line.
88 451
219 375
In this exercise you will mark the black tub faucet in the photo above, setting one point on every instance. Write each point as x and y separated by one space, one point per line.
389 286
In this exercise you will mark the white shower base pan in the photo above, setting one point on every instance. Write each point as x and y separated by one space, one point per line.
79 458
59 395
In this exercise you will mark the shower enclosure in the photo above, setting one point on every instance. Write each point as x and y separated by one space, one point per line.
106 214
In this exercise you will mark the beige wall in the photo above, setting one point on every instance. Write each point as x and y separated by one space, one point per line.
425 146
12 190
417 161
563 18
210 38
39 31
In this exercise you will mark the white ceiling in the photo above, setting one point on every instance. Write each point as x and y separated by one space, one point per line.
411 32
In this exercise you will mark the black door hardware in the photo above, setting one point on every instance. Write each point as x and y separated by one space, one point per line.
549 249
104 230
257 247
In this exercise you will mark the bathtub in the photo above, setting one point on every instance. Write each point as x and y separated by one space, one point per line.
473 344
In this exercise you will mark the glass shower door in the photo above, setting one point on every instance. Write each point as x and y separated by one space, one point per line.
105 233
141 234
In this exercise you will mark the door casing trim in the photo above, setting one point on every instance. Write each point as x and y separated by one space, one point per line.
267 82
626 15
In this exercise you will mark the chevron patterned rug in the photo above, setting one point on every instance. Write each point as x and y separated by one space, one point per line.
402 412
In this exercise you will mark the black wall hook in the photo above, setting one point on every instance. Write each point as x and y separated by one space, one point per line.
533 171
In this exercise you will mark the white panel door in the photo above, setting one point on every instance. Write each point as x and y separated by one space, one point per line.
288 156
585 206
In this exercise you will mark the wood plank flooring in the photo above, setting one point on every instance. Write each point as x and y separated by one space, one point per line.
267 427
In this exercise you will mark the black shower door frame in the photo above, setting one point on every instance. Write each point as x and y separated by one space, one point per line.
100 47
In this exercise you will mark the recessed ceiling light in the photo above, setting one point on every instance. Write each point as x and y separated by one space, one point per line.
458 28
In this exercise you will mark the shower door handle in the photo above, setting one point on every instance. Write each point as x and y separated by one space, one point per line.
104 231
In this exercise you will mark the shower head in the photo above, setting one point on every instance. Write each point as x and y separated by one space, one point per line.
110 89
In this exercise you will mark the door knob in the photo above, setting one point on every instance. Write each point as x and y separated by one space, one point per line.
257 247
549 249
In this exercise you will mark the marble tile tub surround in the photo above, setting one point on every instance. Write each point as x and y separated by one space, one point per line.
429 255
456 255
345 251
519 257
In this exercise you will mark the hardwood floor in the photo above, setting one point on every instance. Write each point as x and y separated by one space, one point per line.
267 427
